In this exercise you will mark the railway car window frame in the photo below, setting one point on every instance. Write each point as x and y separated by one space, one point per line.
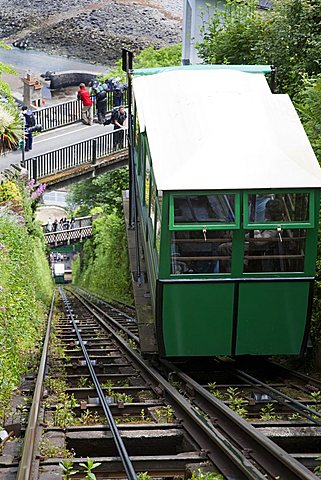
278 223
199 225
280 239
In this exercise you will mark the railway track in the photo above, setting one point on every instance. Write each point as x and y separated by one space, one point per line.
132 417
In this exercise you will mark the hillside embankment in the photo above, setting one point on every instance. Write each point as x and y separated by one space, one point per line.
94 31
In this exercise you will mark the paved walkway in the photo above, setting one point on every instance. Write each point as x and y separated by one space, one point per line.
54 139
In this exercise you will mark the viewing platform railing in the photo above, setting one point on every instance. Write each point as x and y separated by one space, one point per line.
68 232
88 151
66 113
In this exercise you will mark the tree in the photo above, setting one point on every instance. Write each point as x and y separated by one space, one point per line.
288 37
148 58
308 104
233 35
104 191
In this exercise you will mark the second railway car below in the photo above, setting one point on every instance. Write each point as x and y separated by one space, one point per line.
228 193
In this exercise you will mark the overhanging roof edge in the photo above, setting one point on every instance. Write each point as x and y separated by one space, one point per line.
241 68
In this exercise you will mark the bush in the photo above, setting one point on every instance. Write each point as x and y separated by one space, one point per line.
25 293
103 265
25 287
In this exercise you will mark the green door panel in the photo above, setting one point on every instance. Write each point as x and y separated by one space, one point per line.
271 317
197 318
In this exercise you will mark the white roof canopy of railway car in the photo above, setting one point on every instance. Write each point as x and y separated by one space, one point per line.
222 129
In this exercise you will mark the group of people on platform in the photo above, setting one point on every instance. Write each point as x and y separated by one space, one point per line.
63 224
97 95
57 257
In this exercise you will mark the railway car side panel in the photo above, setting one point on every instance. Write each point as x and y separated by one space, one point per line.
197 318
272 317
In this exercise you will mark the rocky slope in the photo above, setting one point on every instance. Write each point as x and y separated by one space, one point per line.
92 31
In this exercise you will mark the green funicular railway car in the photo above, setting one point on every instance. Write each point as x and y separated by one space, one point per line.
228 193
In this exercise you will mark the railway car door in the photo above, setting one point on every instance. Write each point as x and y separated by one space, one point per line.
197 312
274 297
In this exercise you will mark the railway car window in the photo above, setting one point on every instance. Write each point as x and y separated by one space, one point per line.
193 252
204 209
278 207
274 250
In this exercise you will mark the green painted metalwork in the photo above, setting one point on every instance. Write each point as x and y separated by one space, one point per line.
197 319
75 247
241 68
208 225
301 224
271 317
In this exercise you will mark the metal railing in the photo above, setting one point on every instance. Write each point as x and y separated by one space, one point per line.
69 225
67 113
65 237
58 115
88 151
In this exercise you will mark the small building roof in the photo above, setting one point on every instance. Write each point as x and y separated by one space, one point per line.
222 129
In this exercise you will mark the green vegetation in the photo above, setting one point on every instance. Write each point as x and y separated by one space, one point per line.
10 128
25 287
236 402
104 191
103 267
149 58
317 469
287 36
268 413
200 475
10 121
89 466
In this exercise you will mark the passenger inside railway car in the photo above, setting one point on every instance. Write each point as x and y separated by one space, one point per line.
195 249
208 250
278 249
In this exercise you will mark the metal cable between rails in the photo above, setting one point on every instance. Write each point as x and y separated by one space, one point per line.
83 300
278 455
130 472
291 403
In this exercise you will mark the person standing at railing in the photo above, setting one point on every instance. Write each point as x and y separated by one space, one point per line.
87 105
30 123
100 92
49 225
72 222
118 120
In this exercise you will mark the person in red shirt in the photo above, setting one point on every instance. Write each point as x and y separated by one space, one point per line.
87 105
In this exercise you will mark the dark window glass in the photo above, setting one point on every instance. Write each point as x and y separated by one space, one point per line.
197 251
281 207
204 209
274 250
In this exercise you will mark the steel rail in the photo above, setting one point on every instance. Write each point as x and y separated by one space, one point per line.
282 464
25 465
219 449
298 375
129 469
284 399
83 300
110 305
